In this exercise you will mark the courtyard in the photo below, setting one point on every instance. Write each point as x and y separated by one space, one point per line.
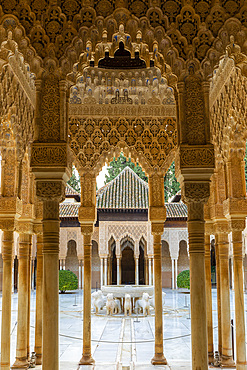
120 342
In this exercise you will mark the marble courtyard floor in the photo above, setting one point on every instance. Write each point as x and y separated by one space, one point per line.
119 342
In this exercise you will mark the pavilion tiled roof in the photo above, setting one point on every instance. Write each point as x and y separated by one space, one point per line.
69 210
126 191
69 191
176 210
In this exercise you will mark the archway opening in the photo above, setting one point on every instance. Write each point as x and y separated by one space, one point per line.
166 267
71 262
114 265
183 258
128 263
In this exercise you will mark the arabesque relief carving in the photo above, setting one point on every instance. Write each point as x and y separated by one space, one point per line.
50 190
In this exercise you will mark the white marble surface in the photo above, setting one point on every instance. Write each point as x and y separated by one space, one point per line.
107 332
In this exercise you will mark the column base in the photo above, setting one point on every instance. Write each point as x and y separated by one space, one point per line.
86 360
159 359
210 358
38 359
20 364
226 361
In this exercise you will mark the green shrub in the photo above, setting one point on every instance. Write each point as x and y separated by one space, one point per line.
183 279
67 280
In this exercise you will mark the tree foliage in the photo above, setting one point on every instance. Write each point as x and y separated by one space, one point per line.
117 166
67 280
171 185
183 279
74 181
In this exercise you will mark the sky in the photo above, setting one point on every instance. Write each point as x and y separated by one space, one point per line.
101 177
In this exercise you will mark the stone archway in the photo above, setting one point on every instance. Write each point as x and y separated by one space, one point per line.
166 266
128 263
71 261
183 258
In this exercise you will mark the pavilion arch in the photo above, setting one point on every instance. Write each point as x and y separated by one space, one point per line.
183 256
71 261
166 265
95 265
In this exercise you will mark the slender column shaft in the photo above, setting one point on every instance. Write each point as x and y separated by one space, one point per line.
105 271
7 249
82 274
79 283
87 356
118 271
159 355
199 339
176 272
209 300
232 264
23 291
173 283
226 357
150 271
136 271
101 272
50 284
241 363
29 276
218 295
109 270
146 271
39 300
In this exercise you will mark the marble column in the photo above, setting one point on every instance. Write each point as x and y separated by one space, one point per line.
209 299
223 248
51 223
159 358
7 255
136 270
232 267
29 272
150 271
82 273
199 340
101 271
118 270
79 280
86 355
21 361
39 300
105 272
173 282
218 294
237 228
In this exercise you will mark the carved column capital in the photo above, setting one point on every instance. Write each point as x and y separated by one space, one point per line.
237 224
195 192
48 190
24 227
8 224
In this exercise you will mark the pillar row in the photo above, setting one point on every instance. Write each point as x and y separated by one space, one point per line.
39 300
209 299
159 357
50 284
7 255
223 247
86 354
237 229
196 229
